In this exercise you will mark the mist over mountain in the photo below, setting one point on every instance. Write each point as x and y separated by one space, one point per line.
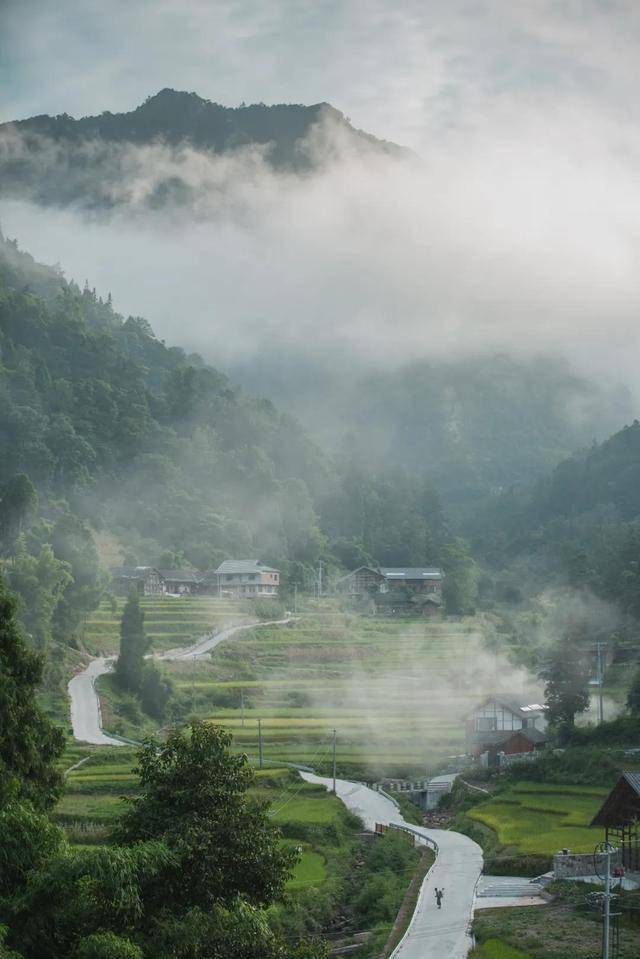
97 161
378 298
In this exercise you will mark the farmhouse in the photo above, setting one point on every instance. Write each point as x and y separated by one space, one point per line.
620 816
396 589
246 577
361 582
181 581
505 726
145 580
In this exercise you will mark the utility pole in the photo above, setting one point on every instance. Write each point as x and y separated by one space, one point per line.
260 742
319 578
334 762
600 647
607 904
605 850
295 598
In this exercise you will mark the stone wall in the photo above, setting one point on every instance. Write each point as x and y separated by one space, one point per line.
566 865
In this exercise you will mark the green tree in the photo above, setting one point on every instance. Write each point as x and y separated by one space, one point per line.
633 696
40 582
193 797
18 500
460 589
133 645
155 692
29 743
566 674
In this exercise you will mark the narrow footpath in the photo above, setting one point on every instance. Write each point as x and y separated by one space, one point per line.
433 933
86 718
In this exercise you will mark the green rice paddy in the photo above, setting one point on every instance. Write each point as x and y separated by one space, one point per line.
542 818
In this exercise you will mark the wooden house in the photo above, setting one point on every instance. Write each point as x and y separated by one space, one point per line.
144 580
504 725
396 590
620 816
181 582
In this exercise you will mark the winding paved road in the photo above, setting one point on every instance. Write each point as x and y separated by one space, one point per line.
86 719
433 933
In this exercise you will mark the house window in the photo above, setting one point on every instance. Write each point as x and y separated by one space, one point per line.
486 723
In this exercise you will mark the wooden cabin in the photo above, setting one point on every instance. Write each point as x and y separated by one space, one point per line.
620 816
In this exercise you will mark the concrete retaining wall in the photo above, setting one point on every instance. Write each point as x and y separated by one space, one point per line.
581 864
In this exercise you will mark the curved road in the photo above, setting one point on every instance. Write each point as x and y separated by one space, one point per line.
86 719
433 933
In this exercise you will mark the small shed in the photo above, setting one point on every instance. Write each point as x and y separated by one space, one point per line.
620 816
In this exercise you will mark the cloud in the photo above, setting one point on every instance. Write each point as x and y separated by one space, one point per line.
522 238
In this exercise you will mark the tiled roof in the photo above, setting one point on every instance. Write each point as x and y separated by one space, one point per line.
634 781
131 572
181 575
244 566
411 572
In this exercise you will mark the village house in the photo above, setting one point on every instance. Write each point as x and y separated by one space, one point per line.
144 580
396 589
505 726
620 816
245 578
181 582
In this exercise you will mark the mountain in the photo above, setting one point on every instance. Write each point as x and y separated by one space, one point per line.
60 160
474 425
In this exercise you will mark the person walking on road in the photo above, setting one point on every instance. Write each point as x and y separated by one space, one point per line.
439 895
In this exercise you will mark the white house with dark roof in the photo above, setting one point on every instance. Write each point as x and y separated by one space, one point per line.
246 578
506 725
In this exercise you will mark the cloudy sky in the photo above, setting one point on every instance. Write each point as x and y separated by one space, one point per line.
519 228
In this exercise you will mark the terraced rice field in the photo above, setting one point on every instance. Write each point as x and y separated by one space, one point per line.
169 622
95 795
542 818
396 692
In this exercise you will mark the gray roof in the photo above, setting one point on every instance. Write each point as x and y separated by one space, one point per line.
244 566
369 569
132 572
634 781
181 575
411 572
522 710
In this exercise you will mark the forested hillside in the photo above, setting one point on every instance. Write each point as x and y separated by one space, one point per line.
580 526
60 160
473 425
108 433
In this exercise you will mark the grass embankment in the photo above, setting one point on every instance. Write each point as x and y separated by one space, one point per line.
566 929
395 691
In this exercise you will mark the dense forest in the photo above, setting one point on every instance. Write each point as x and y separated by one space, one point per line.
109 434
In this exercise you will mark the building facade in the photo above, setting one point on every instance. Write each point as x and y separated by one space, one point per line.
396 590
502 725
245 578
144 580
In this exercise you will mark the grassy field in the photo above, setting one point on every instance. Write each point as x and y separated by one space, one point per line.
396 692
169 622
565 929
95 795
534 817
